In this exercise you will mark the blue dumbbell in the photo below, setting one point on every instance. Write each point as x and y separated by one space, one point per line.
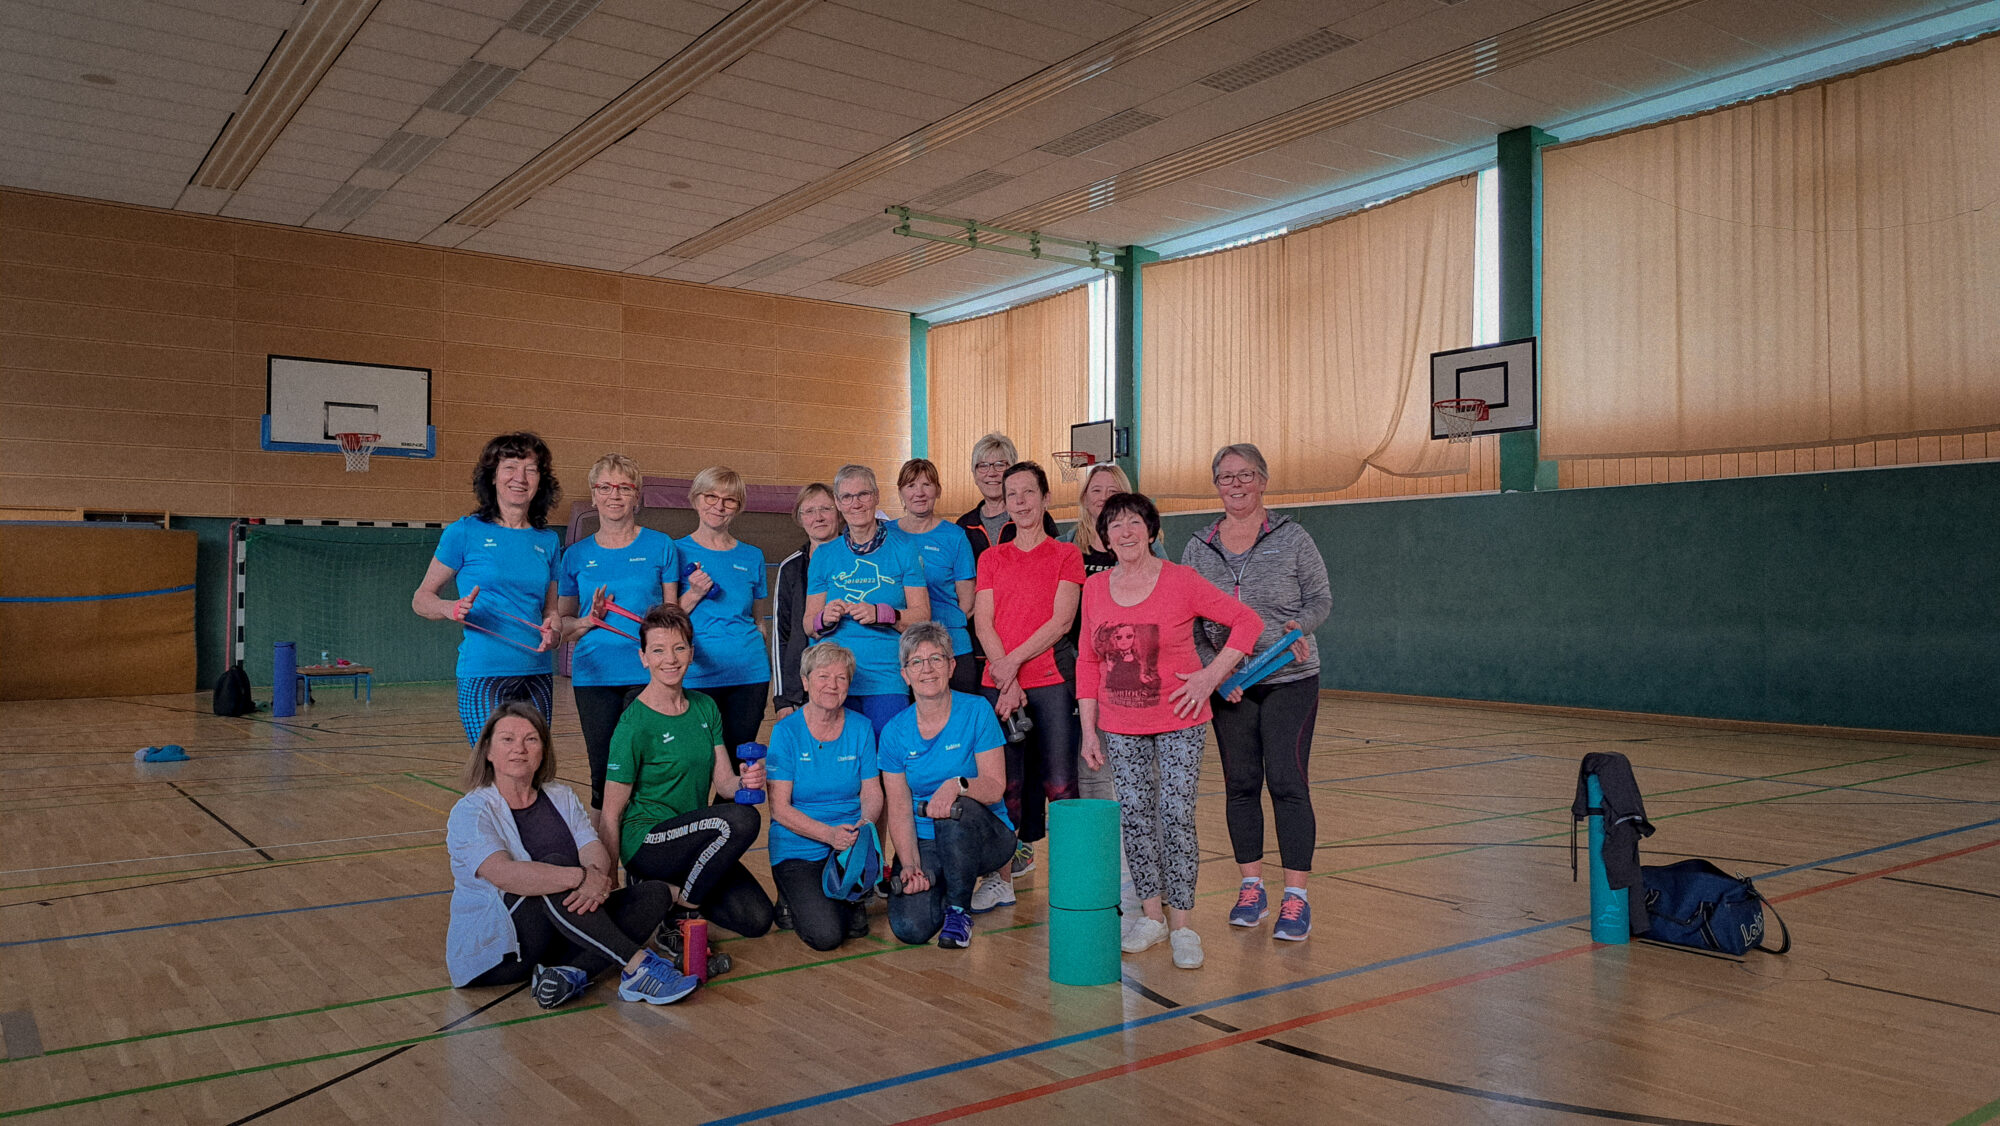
746 754
714 591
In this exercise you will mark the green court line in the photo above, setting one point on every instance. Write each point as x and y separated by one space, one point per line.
891 948
1986 1113
252 866
234 1023
322 1057
432 782
352 780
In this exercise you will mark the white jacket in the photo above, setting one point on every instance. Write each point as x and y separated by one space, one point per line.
481 934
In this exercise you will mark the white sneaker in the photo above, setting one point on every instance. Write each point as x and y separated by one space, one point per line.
995 890
1146 933
1187 948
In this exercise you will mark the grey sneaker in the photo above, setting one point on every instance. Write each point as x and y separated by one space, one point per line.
1187 948
1024 860
996 890
1145 933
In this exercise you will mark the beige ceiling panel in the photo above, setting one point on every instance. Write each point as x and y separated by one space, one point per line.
442 20
986 23
1446 130
645 36
1504 109
597 84
818 81
396 80
1773 24
1686 41
995 61
901 70
177 126
849 136
784 160
102 43
740 90
423 45
604 59
572 105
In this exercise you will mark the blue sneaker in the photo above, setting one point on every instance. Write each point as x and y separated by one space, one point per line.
1295 919
1251 906
554 985
655 982
957 931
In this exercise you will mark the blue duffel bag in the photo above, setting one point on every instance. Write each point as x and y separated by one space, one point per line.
1694 903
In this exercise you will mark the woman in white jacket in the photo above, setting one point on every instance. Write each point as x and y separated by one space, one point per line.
531 892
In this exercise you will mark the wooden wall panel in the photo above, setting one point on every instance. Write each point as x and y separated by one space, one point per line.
133 346
1597 472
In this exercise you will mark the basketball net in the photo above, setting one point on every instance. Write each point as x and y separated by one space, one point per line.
1070 461
356 448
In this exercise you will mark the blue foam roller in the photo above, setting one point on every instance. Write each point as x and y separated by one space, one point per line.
1610 917
1083 946
1272 659
285 679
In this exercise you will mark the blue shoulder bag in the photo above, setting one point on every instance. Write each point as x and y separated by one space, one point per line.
1694 903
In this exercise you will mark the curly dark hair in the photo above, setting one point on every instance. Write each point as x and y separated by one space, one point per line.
521 444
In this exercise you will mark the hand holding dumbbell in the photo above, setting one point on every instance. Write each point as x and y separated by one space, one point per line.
751 790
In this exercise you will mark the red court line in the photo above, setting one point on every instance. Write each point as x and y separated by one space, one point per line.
1230 1041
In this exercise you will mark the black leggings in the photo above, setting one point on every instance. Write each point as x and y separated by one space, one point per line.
820 923
967 670
1042 767
967 845
742 707
702 853
553 935
598 707
1264 742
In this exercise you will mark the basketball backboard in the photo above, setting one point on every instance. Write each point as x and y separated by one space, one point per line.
308 402
1098 439
1504 375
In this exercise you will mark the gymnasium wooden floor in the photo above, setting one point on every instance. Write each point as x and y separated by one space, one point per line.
258 934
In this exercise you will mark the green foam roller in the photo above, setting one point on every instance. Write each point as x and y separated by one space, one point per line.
1083 946
1083 854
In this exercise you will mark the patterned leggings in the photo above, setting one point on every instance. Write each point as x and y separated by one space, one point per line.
1156 785
479 695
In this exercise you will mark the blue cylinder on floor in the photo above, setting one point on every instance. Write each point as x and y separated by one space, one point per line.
1610 922
285 678
1083 946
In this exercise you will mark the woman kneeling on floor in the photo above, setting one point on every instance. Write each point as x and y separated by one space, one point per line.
531 888
944 773
824 794
667 763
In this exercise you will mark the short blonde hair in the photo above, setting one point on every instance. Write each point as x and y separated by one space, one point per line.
817 488
852 470
1086 528
619 464
1245 450
825 653
993 444
720 480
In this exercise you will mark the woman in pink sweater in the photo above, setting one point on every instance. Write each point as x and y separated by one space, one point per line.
1139 681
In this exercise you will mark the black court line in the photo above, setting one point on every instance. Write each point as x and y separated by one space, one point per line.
220 821
1166 1002
384 1058
1913 996
1942 887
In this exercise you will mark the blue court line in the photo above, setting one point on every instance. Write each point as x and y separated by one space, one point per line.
224 918
1255 994
1393 773
99 597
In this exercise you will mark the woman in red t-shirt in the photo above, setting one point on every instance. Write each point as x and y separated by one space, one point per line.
1139 679
1025 599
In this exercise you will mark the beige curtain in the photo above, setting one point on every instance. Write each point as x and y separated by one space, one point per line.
1818 267
1316 346
1024 372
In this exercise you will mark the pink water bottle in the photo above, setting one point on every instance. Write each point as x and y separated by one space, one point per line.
694 948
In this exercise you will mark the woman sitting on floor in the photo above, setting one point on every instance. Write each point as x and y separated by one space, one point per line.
667 763
944 772
824 794
531 888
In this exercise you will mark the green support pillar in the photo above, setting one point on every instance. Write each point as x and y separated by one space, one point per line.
1128 360
1520 163
920 387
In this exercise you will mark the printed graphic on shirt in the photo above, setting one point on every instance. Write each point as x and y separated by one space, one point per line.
1131 656
860 582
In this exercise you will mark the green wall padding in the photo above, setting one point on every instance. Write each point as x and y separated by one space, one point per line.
346 591
211 594
1855 599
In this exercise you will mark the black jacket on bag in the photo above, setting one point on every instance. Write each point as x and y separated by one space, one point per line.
1624 811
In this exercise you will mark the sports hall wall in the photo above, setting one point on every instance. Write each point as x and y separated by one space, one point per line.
133 347
1854 599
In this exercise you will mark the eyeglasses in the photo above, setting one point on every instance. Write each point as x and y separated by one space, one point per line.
816 510
605 489
720 501
1242 477
850 498
935 660
989 466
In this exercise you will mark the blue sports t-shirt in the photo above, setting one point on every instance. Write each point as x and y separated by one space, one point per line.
635 573
947 557
728 647
926 763
877 577
826 778
512 567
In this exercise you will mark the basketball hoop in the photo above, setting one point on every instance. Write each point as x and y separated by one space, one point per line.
356 448
1458 415
1069 461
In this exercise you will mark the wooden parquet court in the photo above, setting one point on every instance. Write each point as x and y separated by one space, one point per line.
257 934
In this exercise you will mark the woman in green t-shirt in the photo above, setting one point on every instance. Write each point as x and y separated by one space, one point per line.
667 761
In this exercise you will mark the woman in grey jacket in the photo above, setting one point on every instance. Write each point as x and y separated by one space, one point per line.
1265 732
